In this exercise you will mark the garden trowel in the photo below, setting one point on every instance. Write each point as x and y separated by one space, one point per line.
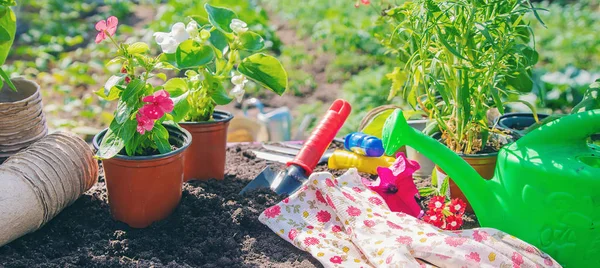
290 179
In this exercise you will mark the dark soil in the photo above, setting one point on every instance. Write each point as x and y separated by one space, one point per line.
212 227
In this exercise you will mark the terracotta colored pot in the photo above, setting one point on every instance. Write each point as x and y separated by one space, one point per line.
145 189
206 157
484 164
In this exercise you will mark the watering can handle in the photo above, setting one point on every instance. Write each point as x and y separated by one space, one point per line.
322 136
253 102
575 128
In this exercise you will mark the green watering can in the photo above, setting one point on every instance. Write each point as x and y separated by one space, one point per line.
546 185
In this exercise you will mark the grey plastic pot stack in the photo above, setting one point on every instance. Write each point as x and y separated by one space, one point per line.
22 120
40 181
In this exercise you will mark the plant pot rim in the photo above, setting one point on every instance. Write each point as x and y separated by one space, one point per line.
483 155
224 117
187 140
33 96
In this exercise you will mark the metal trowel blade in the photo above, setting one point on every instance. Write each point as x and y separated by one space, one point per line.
263 180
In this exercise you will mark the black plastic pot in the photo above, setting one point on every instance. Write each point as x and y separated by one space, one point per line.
517 123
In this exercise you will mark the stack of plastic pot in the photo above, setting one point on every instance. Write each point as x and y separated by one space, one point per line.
22 120
40 181
363 152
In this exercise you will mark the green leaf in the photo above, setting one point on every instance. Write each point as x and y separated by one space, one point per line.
427 191
251 41
219 40
201 20
160 135
137 48
442 38
116 60
113 93
111 145
221 97
161 76
181 107
7 80
220 17
133 92
176 87
123 112
193 55
375 126
520 81
445 186
112 82
265 70
8 28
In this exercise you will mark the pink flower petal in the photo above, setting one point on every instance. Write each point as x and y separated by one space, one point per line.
101 25
151 111
100 37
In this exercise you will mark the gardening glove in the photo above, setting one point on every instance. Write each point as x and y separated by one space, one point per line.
344 224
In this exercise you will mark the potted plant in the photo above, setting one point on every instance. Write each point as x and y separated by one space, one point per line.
22 119
216 52
457 60
142 150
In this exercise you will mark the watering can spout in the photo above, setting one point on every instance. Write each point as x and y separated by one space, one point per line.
397 133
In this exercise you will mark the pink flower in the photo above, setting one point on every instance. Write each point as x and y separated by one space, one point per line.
352 211
356 189
311 241
323 216
517 260
457 206
375 201
350 197
329 183
365 2
273 211
406 240
336 228
320 197
322 235
159 104
310 227
453 222
473 256
106 26
430 234
548 261
292 234
455 241
369 223
393 225
336 259
286 200
480 235
144 123
388 260
530 249
397 187
329 201
377 214
349 230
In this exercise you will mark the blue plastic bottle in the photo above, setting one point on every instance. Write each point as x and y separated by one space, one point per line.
363 144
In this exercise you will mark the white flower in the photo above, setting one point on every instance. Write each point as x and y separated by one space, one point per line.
179 32
238 26
237 92
192 28
239 80
170 41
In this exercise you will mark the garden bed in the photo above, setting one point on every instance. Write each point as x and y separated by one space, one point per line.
212 227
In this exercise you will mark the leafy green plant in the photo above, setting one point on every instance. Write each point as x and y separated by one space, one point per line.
8 28
210 50
458 59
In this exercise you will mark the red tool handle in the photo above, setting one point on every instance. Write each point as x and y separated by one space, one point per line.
322 136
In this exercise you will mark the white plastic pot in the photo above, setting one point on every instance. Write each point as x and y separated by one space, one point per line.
426 164
40 181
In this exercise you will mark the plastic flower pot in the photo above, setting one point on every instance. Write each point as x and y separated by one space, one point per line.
426 164
22 120
206 157
484 164
516 123
145 189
